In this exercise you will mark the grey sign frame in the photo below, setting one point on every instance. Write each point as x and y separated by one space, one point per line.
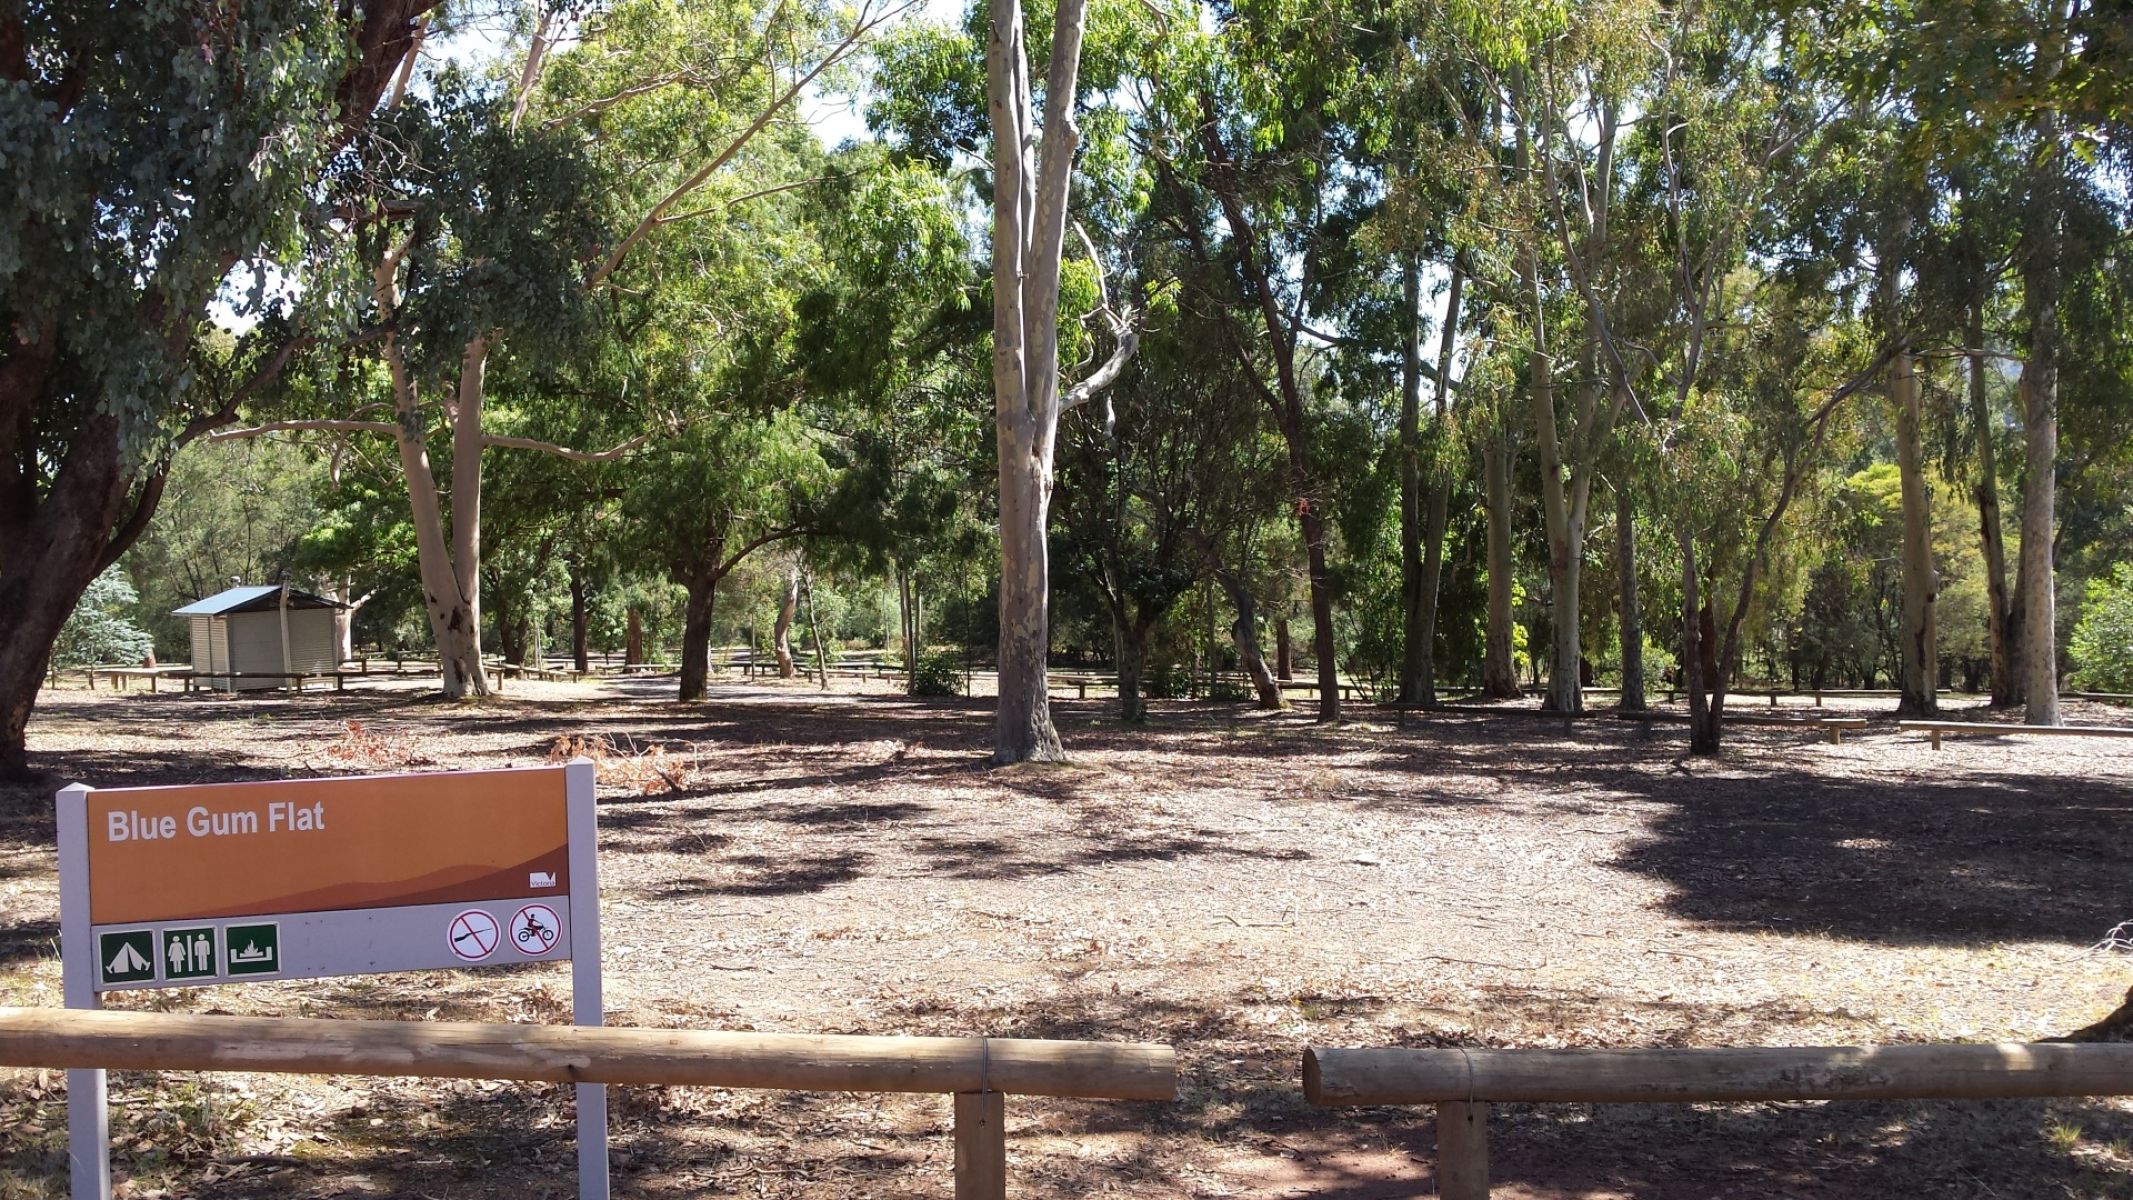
88 1107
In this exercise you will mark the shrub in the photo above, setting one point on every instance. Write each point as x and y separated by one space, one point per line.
1163 681
99 630
937 673
2102 644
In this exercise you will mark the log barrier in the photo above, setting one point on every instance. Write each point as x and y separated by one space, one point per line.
978 1072
1463 1083
1935 729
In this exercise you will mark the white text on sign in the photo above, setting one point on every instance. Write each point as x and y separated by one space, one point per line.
200 821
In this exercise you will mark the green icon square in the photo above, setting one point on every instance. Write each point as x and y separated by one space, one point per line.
252 949
189 953
127 956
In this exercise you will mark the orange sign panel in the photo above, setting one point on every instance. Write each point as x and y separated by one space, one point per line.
312 845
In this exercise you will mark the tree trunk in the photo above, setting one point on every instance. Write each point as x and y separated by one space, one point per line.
1029 229
1284 650
344 622
1414 647
696 635
633 638
1499 668
580 651
1991 539
1438 507
1705 718
1322 636
449 595
1022 722
814 634
907 624
1920 584
781 631
510 629
1132 658
2038 389
1632 613
1566 541
44 573
1245 634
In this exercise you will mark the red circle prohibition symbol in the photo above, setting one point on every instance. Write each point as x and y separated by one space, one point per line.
535 929
473 935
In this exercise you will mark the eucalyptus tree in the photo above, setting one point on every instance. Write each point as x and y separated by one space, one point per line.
887 345
1252 157
160 158
498 215
1154 494
700 504
1032 173
2048 80
1692 128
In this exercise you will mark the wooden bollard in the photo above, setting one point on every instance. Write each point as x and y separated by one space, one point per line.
980 1146
1463 1151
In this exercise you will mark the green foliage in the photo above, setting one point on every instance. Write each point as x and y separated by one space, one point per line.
100 630
147 147
937 673
2102 643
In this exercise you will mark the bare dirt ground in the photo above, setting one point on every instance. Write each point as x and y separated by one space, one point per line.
1240 885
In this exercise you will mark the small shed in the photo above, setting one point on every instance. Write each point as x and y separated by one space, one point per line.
249 638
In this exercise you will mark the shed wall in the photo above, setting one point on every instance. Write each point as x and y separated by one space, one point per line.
251 643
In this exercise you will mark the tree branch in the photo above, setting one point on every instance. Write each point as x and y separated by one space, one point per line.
758 194
321 426
860 29
1122 327
585 456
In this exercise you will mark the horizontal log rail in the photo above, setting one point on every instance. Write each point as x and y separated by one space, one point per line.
1935 729
978 1072
1463 1083
1834 727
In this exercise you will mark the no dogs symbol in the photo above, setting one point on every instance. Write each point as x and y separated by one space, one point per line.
535 929
473 935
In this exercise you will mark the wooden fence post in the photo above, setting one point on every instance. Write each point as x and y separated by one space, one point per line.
980 1146
1463 1151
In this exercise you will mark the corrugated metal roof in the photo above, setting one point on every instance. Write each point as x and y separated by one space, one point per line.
251 599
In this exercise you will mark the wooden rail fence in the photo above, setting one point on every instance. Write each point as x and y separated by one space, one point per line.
1463 1083
1934 730
978 1072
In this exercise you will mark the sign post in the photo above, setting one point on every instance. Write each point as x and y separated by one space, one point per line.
311 878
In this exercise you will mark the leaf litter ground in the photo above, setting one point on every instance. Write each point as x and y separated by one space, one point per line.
1240 885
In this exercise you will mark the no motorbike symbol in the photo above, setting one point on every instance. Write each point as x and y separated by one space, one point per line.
535 929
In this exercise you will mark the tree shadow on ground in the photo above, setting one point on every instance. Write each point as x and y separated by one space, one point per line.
1769 839
26 941
767 875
